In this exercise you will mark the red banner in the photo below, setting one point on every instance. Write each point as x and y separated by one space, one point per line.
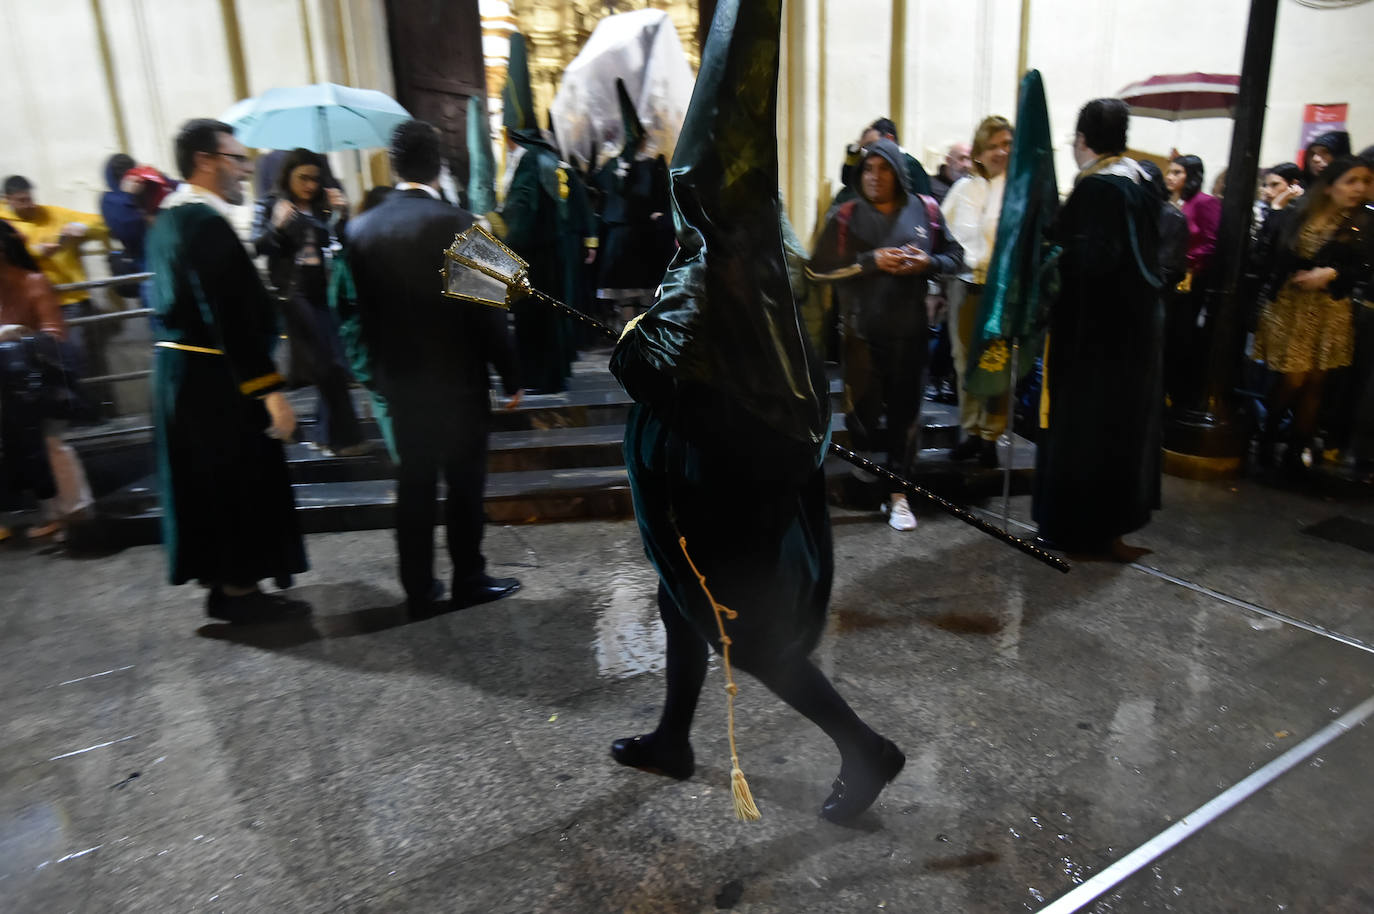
1319 119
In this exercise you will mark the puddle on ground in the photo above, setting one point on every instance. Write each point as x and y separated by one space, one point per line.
857 620
962 861
966 623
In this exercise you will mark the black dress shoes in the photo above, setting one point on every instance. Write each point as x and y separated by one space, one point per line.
482 589
860 783
969 448
255 608
428 604
648 754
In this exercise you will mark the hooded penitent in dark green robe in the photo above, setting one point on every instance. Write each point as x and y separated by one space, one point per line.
725 440
228 515
730 424
548 221
1098 460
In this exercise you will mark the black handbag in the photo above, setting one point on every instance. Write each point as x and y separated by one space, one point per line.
35 371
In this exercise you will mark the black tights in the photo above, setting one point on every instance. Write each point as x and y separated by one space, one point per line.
796 681
1301 390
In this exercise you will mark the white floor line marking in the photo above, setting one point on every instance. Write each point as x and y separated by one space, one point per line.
118 669
1256 608
1204 815
91 748
1234 601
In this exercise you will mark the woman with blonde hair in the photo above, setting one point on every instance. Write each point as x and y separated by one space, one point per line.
971 209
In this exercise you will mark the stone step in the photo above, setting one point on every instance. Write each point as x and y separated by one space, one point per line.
131 515
555 457
577 432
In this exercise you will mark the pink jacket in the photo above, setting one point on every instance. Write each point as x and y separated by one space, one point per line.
1204 216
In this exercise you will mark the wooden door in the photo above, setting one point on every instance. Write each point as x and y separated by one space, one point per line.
436 55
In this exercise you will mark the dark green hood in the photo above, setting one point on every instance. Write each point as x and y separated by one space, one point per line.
723 353
629 120
517 98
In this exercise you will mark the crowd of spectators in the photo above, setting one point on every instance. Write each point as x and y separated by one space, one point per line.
906 253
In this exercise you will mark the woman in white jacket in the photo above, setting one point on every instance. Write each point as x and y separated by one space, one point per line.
971 210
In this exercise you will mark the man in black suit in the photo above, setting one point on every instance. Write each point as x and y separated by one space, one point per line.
426 357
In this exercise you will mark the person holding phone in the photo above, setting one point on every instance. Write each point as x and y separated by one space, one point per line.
297 228
880 250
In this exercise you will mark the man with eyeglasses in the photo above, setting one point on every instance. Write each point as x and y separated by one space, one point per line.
228 515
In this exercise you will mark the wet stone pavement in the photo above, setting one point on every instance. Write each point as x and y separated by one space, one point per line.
360 762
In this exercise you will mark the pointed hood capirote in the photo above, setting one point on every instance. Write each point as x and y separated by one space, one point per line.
517 98
481 159
723 354
629 120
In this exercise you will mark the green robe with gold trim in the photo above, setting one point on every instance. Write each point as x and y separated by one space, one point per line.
548 222
228 515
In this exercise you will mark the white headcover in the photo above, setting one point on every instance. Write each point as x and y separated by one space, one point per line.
641 48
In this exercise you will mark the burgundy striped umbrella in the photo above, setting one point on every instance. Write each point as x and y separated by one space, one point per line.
1183 96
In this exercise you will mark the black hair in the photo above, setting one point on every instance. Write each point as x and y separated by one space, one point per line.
1336 142
1102 122
886 128
198 135
1192 168
374 196
1289 171
12 245
17 184
1155 178
1367 155
415 152
293 160
116 166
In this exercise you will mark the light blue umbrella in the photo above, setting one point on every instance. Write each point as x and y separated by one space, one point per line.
324 117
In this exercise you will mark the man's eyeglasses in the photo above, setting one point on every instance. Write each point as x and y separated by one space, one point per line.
237 157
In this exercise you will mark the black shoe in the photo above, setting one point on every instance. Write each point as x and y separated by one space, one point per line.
859 784
482 589
647 754
987 455
256 608
427 604
967 449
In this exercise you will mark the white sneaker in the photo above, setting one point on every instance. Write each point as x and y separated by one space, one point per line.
899 516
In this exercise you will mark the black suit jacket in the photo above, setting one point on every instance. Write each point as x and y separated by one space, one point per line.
423 347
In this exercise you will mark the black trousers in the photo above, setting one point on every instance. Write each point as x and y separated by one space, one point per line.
462 460
317 357
794 679
885 379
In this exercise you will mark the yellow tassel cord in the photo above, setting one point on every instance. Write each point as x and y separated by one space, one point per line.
739 787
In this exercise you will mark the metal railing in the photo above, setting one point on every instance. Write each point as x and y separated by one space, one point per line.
109 316
101 283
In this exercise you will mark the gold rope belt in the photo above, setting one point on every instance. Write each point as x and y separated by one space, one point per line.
167 344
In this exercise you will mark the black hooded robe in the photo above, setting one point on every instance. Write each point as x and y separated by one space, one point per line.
1097 473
